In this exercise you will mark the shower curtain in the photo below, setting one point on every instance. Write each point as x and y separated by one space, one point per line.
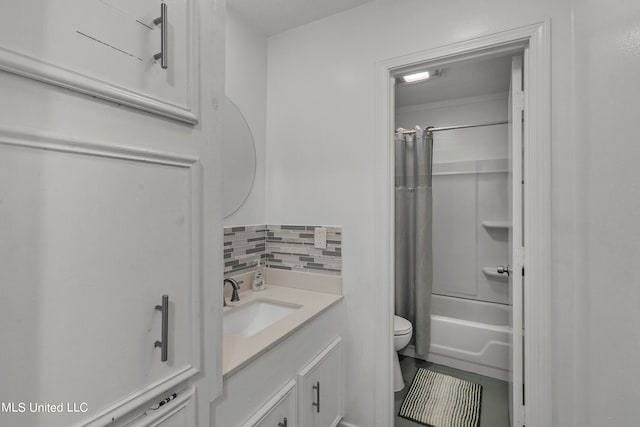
413 252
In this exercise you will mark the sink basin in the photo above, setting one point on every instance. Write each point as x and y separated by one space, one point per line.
251 318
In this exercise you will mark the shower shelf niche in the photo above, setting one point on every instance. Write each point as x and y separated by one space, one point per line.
491 225
492 273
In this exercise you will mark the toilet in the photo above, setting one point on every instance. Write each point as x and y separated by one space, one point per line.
402 331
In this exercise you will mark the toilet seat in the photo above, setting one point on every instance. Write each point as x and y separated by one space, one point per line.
401 326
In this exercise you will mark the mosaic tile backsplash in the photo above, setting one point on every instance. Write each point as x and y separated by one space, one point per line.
287 247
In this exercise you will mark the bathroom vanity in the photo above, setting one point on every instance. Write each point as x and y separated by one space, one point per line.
289 372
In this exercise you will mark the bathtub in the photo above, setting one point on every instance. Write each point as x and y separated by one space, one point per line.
470 335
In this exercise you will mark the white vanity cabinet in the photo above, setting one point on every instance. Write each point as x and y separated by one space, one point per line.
312 353
314 400
320 389
279 411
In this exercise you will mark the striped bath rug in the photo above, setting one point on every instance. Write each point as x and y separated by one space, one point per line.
438 400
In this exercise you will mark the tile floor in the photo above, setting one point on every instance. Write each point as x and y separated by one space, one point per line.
494 411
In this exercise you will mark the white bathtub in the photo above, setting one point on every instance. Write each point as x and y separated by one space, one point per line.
470 335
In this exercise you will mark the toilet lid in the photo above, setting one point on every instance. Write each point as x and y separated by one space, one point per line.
401 326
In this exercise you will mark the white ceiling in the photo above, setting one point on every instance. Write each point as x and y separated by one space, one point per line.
460 80
276 16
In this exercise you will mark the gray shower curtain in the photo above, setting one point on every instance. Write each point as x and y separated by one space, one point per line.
413 252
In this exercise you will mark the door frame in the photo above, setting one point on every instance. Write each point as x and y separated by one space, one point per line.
537 212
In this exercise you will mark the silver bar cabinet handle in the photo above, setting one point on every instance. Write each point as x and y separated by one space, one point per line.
284 423
164 31
317 403
164 344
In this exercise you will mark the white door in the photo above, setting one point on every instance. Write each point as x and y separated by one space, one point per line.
330 394
320 389
103 210
515 269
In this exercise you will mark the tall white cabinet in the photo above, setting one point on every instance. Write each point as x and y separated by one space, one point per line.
109 201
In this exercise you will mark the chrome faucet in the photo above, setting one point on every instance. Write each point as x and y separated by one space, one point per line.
234 294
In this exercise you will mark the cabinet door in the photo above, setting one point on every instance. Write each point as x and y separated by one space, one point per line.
110 236
280 411
321 388
106 48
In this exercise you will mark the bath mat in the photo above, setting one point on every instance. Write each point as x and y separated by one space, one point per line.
438 400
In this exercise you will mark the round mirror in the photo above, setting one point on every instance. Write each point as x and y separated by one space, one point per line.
239 164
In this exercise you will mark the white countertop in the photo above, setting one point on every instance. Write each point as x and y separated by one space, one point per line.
238 351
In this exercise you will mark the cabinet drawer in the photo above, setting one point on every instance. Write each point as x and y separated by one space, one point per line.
279 411
320 394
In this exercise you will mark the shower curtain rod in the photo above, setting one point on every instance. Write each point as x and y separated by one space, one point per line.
431 129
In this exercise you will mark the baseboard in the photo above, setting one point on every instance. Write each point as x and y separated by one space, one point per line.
463 365
346 424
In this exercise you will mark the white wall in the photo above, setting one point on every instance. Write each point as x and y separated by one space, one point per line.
606 177
320 168
246 86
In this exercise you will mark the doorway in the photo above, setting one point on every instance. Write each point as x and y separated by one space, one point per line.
534 213
454 245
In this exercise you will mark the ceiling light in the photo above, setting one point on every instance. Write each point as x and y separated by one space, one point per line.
416 77
419 76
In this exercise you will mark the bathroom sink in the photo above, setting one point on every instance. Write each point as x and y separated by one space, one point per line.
251 318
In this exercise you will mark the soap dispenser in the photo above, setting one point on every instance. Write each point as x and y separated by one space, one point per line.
258 280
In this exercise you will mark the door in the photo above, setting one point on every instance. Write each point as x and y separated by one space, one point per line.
515 269
104 209
321 394
93 243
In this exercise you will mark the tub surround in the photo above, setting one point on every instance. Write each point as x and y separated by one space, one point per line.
315 293
470 230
